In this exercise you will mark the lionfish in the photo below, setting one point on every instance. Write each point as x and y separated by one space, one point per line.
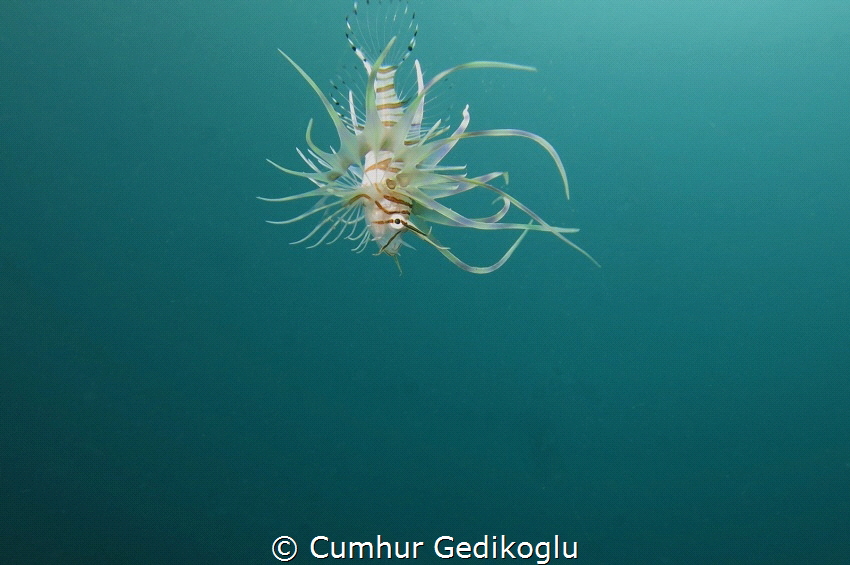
386 178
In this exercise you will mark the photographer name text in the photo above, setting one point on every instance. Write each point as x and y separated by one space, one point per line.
444 547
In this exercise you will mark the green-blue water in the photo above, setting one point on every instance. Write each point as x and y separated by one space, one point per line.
178 384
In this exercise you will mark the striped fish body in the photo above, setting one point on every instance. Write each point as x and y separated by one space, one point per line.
386 211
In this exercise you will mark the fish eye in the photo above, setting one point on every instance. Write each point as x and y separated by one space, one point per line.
397 222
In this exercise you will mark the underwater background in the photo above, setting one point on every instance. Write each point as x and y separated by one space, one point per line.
178 384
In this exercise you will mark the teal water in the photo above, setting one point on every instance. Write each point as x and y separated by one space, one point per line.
180 385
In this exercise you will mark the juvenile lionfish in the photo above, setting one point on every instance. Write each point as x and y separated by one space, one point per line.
385 179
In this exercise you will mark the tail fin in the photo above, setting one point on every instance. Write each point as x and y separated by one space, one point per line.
370 28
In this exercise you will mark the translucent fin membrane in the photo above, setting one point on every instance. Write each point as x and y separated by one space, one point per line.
372 24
